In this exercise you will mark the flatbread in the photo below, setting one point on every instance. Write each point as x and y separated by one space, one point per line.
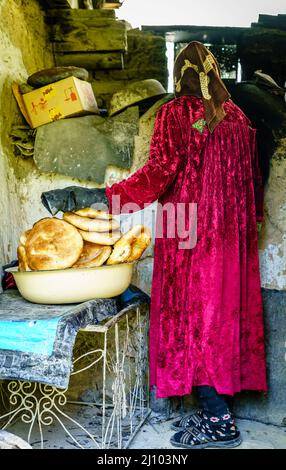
93 213
102 238
87 261
90 225
53 244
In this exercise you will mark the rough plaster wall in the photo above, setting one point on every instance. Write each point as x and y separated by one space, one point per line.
273 236
24 49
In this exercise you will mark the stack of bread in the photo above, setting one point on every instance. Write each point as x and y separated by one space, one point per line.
83 239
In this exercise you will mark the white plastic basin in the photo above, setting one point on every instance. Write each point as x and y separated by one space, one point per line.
67 286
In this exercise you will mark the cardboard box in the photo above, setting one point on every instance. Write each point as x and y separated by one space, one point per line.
65 98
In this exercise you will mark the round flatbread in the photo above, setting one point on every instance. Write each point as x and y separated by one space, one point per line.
120 253
102 238
139 245
23 237
102 254
53 244
130 246
91 225
89 252
22 258
93 213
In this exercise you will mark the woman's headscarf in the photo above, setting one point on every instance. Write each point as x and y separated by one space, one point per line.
197 73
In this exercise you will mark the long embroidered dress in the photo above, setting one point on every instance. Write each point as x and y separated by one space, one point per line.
206 325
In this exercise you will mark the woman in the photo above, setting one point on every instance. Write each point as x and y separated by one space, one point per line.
206 326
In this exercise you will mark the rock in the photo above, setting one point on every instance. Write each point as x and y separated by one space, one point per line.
142 275
146 127
47 76
143 92
84 147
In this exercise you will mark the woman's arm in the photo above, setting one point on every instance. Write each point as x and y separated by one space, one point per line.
149 183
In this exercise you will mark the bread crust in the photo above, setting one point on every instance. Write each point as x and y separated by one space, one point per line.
140 245
102 254
23 237
101 238
22 258
53 244
130 246
89 252
90 225
93 213
120 253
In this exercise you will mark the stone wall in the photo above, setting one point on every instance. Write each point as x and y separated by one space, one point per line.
273 235
271 407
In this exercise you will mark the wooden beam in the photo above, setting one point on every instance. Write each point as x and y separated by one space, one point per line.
205 34
90 36
56 3
66 16
92 60
111 5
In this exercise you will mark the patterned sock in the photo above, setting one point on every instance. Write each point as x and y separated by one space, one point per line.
218 428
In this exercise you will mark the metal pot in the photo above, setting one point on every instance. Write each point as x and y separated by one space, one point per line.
67 286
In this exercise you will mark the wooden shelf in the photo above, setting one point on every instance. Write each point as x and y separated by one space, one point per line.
111 5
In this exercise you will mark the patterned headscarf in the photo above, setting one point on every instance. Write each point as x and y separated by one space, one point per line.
197 73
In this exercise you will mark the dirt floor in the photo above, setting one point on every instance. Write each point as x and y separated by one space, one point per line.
255 436
153 434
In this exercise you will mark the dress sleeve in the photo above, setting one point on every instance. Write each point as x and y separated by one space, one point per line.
148 183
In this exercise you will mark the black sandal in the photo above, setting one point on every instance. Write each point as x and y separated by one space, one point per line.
195 438
187 421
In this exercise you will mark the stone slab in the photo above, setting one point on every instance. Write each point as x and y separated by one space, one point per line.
84 147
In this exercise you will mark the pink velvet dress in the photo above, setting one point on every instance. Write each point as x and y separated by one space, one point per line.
206 325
